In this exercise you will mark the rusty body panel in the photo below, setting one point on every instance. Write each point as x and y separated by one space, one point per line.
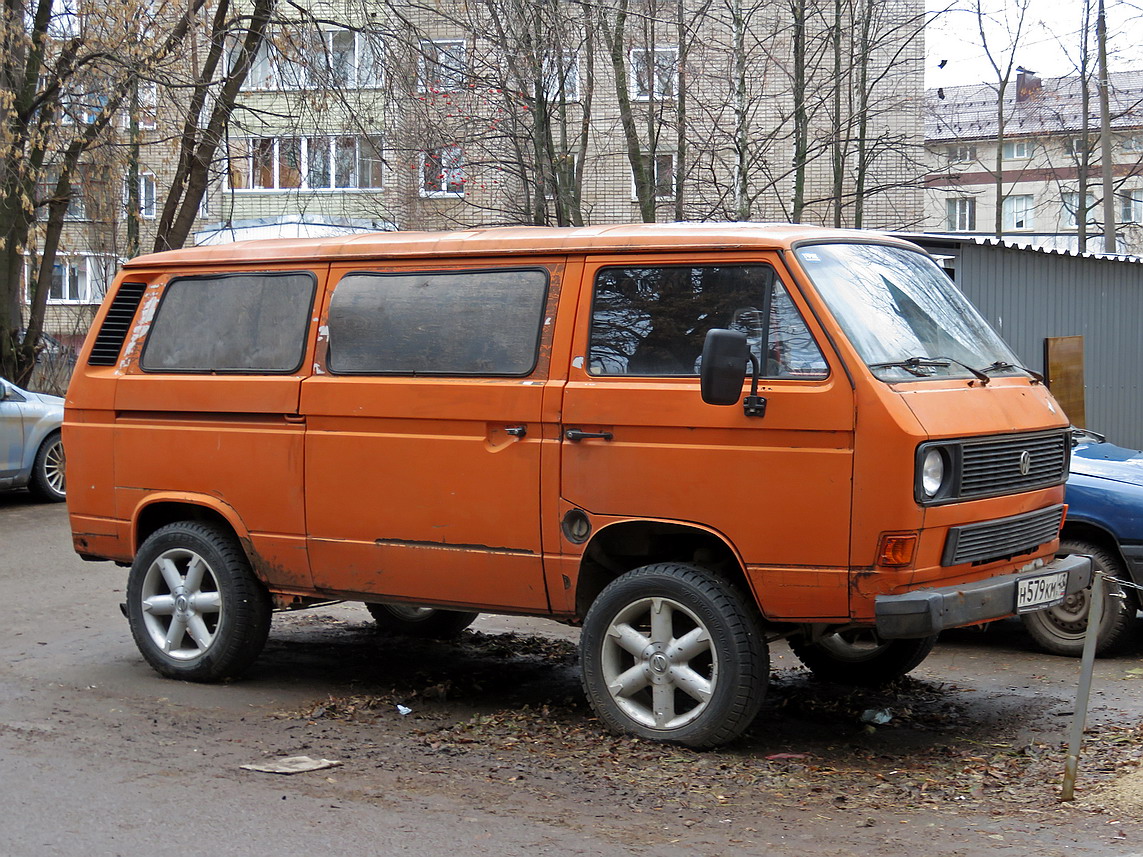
455 491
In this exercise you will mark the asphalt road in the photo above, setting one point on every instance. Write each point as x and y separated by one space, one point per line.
100 756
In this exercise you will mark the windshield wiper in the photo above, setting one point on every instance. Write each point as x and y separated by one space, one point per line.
917 365
1002 365
913 365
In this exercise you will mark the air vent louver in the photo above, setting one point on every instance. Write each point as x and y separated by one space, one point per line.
116 325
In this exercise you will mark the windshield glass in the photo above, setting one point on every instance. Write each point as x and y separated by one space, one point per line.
903 314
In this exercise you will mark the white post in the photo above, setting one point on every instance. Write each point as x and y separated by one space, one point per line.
1087 666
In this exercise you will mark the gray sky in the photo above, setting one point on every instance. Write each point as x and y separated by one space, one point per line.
1049 45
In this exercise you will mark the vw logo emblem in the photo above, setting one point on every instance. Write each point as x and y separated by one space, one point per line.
1025 463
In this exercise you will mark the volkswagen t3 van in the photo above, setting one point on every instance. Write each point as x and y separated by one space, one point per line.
695 440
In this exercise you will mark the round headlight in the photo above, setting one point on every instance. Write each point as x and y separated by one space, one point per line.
932 472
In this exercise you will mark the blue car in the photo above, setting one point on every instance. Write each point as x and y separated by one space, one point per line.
31 452
1105 520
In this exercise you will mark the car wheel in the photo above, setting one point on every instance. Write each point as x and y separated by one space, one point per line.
860 657
195 608
49 480
671 652
1060 630
427 622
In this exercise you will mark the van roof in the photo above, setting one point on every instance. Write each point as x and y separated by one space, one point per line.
512 240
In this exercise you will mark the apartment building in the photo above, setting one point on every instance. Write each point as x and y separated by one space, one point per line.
359 117
1044 149
457 119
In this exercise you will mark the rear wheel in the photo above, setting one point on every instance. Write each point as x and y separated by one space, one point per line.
671 652
195 608
860 657
49 482
411 621
1060 630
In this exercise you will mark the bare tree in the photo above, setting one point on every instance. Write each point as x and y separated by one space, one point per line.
232 41
1002 59
65 72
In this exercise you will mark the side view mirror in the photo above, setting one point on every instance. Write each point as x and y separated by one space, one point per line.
725 354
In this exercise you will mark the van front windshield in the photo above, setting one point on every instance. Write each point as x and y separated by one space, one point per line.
903 315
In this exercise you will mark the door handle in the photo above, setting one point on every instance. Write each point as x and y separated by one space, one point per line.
516 431
576 434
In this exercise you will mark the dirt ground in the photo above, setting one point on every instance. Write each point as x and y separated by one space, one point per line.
486 745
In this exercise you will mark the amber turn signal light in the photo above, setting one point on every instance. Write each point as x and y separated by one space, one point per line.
896 550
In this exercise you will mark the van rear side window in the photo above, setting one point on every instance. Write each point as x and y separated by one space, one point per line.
439 323
240 323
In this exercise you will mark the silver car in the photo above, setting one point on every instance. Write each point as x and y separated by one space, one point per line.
31 452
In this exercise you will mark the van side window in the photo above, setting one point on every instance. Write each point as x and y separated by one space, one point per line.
440 323
241 323
653 321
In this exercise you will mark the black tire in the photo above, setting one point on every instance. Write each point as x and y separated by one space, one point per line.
1060 630
49 480
860 657
714 686
403 620
224 614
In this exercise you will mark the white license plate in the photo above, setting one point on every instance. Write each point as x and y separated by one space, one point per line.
1043 590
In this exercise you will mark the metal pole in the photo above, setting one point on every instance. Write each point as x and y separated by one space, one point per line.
1087 666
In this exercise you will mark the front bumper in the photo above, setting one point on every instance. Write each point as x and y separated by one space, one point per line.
930 611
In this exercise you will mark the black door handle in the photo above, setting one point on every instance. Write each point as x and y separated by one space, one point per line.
576 434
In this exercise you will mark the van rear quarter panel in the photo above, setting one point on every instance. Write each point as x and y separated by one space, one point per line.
233 440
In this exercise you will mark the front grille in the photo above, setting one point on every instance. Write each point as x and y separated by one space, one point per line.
993 466
1003 538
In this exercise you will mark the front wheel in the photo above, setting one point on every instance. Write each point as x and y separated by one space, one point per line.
671 652
860 657
48 482
1060 630
195 608
408 620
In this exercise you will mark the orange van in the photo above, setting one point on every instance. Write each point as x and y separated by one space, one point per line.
695 440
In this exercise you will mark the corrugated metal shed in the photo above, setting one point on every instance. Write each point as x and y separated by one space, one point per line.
1029 295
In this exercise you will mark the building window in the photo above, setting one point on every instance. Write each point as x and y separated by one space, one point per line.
561 77
663 177
309 163
77 202
82 107
961 154
78 278
1070 202
146 199
442 66
654 73
1133 144
1131 206
560 175
1018 150
1017 212
961 214
333 59
442 171
145 109
1075 146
